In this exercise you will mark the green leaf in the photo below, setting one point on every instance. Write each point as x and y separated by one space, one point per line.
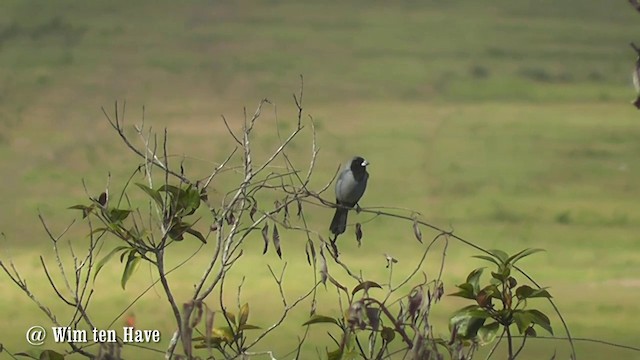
80 207
231 316
541 320
191 200
177 231
493 291
106 258
527 292
474 311
506 272
541 293
155 195
335 354
487 258
197 234
500 255
466 291
175 208
223 333
125 253
244 314
522 254
388 334
524 291
187 201
248 327
474 279
487 333
50 355
86 210
214 342
523 320
118 215
318 319
174 191
365 285
468 321
502 275
130 266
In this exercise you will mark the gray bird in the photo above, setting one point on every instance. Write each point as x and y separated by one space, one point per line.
350 187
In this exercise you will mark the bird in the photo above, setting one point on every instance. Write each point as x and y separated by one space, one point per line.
350 187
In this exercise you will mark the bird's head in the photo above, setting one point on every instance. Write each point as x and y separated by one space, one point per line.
358 166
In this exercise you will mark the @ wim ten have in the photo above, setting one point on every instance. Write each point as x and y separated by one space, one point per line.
129 335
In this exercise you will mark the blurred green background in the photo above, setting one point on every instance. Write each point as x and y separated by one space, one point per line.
508 121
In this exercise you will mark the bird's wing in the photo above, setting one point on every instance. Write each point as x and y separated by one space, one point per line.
348 190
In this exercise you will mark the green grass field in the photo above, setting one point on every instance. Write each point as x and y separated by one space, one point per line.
508 121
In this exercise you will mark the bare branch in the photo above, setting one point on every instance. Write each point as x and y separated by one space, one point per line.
230 131
116 124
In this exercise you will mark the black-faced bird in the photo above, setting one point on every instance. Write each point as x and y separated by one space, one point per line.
350 186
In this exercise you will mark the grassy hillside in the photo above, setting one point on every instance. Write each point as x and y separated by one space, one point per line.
507 121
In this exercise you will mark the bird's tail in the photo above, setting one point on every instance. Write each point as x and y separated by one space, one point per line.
339 222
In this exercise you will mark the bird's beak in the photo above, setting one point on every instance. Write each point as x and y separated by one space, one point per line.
365 163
